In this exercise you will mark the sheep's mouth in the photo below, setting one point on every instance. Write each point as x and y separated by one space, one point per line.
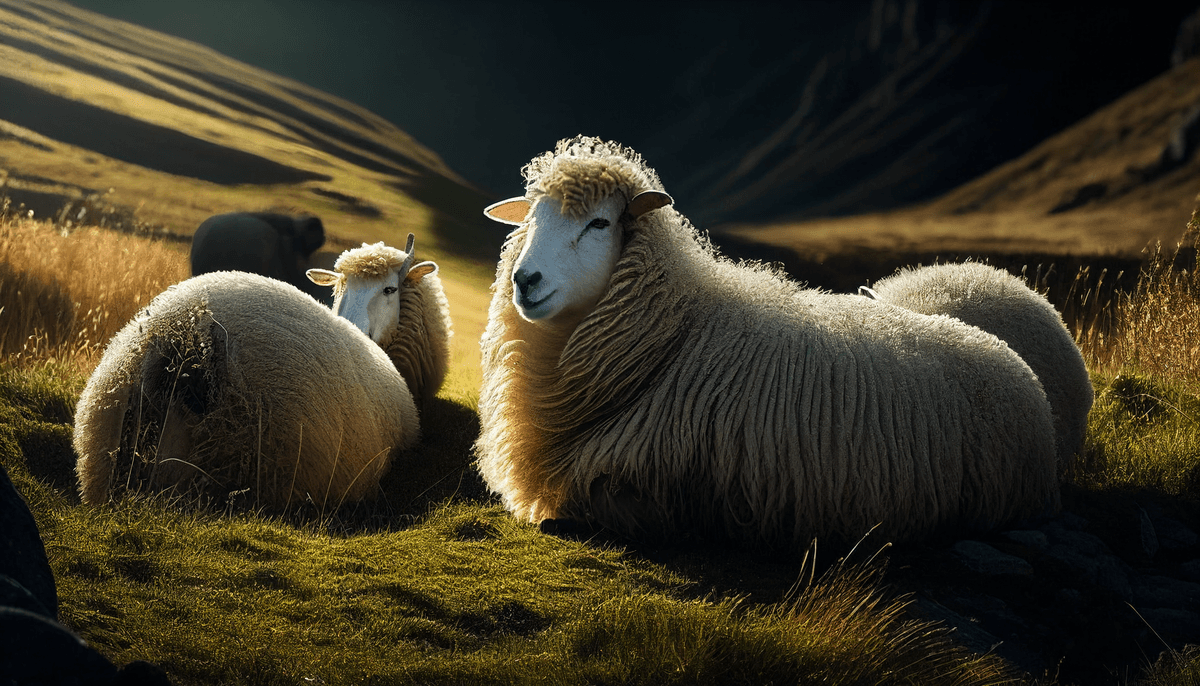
528 305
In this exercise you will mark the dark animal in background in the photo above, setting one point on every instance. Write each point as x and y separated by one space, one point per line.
279 246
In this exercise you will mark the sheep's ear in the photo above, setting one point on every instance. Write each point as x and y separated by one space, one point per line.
511 211
647 200
865 291
322 277
420 271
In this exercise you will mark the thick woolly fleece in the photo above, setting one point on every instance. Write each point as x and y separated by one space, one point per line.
700 396
231 381
1001 304
419 346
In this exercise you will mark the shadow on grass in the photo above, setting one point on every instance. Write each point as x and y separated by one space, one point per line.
137 142
438 469
458 219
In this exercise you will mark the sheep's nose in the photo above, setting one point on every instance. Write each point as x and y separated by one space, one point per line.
525 280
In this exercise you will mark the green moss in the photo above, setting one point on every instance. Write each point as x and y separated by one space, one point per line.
461 593
1143 433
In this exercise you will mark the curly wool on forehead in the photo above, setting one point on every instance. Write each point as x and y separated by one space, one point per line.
583 171
370 260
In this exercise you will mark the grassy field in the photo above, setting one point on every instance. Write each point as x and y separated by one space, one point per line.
434 583
435 586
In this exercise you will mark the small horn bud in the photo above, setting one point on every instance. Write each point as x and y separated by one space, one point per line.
646 201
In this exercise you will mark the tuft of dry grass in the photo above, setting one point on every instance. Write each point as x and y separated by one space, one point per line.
65 291
1143 349
1155 327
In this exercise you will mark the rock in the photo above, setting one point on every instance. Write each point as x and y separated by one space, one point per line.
13 594
984 559
140 673
22 555
1173 625
1030 539
1072 521
1089 555
1174 534
38 650
1163 591
967 633
1190 570
1070 599
1149 538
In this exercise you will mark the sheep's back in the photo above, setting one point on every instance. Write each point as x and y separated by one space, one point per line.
819 415
257 372
1001 304
420 346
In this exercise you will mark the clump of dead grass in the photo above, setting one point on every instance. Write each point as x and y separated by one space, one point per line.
64 291
1143 350
1154 328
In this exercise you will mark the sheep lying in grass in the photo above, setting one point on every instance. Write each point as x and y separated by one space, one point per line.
634 379
231 381
401 306
1001 304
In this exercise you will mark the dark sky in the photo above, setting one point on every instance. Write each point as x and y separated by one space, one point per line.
488 85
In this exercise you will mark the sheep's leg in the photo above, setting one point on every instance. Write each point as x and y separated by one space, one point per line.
622 508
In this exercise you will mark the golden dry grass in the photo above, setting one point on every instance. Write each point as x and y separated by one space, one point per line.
1155 328
1143 349
64 293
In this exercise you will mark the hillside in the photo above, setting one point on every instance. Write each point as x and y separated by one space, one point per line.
1106 186
157 133
180 132
152 133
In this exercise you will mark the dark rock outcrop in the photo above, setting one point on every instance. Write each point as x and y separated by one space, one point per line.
22 555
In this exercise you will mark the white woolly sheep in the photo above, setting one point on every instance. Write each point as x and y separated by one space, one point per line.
231 381
636 380
1001 304
400 305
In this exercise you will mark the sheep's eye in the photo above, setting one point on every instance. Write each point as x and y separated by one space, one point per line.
598 223
388 290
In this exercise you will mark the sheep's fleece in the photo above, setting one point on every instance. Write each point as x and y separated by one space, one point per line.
1001 304
232 381
705 397
419 345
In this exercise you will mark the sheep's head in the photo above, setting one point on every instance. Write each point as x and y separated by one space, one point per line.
367 283
570 250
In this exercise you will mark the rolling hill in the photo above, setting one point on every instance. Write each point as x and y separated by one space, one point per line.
1109 185
180 132
163 132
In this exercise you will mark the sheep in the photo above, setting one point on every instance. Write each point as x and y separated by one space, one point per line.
635 380
401 306
231 381
280 246
1001 304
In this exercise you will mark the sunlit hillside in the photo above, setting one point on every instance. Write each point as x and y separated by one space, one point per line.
92 103
116 142
1097 188
157 133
